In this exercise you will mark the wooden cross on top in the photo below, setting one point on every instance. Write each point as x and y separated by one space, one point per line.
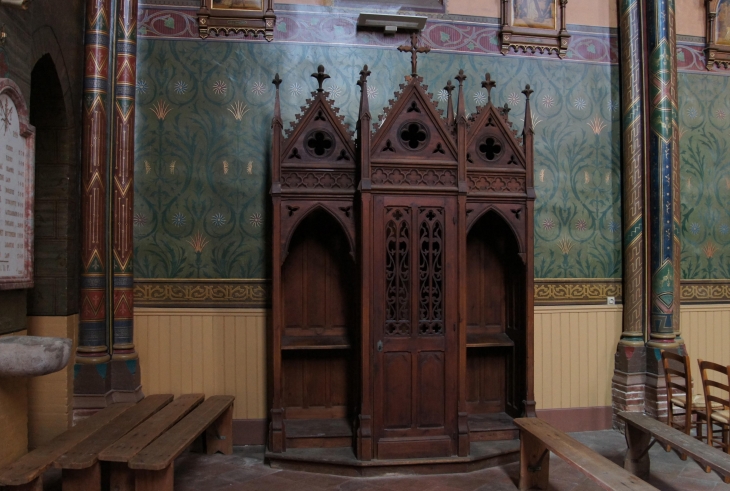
413 49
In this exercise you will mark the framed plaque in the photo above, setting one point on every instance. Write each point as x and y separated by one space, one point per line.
534 25
717 50
252 17
17 158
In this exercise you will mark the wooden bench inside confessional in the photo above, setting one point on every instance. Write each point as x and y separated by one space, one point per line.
538 439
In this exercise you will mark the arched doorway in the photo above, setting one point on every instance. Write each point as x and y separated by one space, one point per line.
56 196
495 329
319 377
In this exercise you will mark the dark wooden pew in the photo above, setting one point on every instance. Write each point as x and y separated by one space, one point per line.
26 473
80 464
154 465
118 455
641 428
538 439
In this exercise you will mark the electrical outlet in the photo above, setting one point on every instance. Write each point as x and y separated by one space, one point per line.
610 300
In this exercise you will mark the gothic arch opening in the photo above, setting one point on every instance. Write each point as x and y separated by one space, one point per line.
495 328
56 196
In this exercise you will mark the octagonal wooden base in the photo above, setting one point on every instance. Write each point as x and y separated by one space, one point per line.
342 461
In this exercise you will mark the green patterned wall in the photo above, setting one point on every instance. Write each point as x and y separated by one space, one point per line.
203 134
704 122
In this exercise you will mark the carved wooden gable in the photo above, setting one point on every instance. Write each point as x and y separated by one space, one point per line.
413 128
318 152
495 154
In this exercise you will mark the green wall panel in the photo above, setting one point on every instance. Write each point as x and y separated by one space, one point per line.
203 136
704 122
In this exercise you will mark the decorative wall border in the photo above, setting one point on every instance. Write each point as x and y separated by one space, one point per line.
443 33
578 291
705 291
238 293
332 27
256 293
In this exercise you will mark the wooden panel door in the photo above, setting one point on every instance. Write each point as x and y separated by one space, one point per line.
414 331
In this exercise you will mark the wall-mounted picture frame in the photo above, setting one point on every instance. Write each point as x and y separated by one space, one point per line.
17 186
717 48
252 17
534 25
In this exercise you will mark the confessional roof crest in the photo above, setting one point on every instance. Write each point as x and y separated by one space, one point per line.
319 132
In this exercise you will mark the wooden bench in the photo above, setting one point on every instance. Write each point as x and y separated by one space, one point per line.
80 464
154 465
26 473
118 455
538 439
641 428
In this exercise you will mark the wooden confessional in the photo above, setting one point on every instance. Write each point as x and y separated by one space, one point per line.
402 277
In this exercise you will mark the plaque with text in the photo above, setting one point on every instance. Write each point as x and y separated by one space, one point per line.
17 157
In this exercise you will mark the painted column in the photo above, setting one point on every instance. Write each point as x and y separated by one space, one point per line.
664 206
633 182
123 180
629 376
664 174
93 340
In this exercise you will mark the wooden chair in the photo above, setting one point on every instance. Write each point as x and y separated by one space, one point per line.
678 377
717 394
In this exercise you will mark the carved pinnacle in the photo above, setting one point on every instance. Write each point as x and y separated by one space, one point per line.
364 74
506 109
449 87
527 91
489 84
461 77
321 77
277 81
413 49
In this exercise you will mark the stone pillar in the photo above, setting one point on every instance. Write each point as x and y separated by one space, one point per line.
630 359
663 197
93 334
123 183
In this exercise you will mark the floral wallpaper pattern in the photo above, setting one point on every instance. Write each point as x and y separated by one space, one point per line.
704 125
203 136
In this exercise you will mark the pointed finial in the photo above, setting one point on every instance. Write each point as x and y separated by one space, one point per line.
527 91
277 81
489 84
364 74
413 49
506 109
449 87
450 111
461 105
321 77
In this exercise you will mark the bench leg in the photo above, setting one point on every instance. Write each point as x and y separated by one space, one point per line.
534 463
121 477
636 460
88 479
163 480
219 436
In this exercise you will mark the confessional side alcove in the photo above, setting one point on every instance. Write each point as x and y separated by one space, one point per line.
495 336
320 336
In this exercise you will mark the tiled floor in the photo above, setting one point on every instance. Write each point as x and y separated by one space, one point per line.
245 470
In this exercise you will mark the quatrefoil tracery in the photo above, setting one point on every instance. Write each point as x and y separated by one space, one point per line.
413 135
319 143
491 149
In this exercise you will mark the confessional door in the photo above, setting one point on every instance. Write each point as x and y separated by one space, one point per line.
414 332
